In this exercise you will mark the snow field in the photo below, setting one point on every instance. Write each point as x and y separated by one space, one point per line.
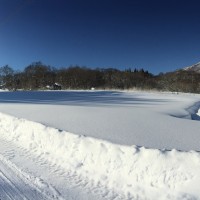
153 120
137 172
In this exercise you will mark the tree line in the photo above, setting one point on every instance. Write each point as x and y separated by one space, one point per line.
38 76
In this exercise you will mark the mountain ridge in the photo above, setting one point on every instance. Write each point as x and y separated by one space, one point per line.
195 68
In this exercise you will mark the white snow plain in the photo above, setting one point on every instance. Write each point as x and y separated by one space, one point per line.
115 145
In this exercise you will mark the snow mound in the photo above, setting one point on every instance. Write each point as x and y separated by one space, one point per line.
137 172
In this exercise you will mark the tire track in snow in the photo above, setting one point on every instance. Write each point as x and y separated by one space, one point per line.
17 185
12 186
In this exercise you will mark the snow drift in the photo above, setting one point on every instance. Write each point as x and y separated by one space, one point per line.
137 172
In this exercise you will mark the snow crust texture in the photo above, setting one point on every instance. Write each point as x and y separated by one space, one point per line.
136 172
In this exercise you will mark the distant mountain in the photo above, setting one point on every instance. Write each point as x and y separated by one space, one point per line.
195 68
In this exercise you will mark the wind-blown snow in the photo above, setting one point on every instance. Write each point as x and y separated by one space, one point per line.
104 140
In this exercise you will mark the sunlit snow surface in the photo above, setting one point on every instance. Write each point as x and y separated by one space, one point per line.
107 145
153 120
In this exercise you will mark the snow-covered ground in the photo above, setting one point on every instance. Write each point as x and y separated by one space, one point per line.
153 120
99 145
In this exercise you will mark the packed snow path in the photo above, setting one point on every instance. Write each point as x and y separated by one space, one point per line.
17 185
14 186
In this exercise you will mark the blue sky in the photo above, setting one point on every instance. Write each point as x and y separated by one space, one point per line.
158 36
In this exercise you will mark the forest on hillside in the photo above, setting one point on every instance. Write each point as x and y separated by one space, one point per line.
38 76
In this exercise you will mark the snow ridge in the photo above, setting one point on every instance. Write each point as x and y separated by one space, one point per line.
195 67
135 171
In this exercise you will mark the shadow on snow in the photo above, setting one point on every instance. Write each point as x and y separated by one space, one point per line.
87 98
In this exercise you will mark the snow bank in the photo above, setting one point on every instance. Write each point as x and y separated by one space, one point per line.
137 172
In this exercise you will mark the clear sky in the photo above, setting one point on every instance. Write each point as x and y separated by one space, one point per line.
157 35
